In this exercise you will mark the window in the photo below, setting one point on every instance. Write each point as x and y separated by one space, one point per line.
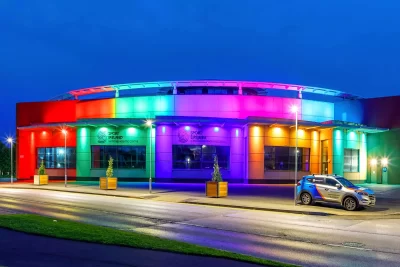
351 158
199 157
125 157
284 158
330 182
317 180
54 157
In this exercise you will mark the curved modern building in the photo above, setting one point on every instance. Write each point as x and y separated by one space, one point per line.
171 131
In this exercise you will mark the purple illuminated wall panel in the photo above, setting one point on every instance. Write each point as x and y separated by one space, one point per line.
234 106
163 151
212 135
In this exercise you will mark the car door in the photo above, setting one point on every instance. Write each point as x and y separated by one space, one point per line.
332 192
315 187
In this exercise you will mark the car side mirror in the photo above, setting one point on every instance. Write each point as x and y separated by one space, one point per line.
338 186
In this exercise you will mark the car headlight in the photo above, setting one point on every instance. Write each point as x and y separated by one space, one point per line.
362 193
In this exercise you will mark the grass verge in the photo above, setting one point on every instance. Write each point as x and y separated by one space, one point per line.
35 224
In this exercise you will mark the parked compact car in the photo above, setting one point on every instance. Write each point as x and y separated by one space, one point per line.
334 189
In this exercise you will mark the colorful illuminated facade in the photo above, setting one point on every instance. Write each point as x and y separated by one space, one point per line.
248 125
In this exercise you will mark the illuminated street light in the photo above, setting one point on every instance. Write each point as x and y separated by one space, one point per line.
65 155
384 161
11 142
295 110
374 161
149 123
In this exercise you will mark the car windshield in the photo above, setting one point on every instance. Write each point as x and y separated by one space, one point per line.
345 182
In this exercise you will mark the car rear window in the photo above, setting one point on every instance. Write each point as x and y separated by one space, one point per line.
316 180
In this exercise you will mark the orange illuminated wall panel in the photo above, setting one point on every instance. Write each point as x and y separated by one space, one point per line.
93 109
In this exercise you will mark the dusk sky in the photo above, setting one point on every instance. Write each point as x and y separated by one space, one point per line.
49 47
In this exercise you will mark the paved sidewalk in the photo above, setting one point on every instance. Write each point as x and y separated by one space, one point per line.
260 197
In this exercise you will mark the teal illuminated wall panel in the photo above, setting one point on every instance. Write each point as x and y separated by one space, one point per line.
83 156
338 151
144 106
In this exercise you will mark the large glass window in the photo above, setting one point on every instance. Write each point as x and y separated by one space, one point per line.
284 158
199 157
125 157
351 159
54 157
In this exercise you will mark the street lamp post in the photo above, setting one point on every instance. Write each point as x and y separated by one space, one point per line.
150 124
294 110
11 141
65 156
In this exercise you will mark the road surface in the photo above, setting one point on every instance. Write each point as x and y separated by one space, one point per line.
300 239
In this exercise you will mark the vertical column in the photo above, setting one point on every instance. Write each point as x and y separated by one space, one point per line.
163 151
32 154
315 153
151 132
338 151
256 152
363 161
83 152
240 90
237 154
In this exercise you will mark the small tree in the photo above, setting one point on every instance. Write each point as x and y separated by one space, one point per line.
110 170
42 169
216 175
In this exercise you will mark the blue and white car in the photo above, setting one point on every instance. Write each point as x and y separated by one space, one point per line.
334 189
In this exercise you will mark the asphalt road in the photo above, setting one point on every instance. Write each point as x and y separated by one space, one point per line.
300 239
44 251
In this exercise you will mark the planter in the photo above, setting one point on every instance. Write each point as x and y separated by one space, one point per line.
108 183
216 189
40 179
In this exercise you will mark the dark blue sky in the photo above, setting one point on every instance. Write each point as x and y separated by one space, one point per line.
49 47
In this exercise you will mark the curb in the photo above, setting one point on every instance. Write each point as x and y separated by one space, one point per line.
315 213
76 192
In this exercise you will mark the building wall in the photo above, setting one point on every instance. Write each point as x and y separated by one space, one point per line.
385 145
167 136
261 136
111 136
28 143
349 111
214 106
348 139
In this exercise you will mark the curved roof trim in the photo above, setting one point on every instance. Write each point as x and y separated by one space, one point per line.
209 83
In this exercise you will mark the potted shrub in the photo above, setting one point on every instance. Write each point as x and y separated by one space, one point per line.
216 187
109 182
41 178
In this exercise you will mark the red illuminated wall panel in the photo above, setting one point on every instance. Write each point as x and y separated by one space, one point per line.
46 112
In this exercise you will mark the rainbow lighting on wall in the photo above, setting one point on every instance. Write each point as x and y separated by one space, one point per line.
248 125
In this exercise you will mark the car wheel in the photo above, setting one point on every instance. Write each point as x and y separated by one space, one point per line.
306 198
350 204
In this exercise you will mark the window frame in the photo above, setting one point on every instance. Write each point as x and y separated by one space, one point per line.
278 161
202 163
115 150
351 156
52 162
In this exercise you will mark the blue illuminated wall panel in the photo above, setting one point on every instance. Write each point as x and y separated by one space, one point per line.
317 111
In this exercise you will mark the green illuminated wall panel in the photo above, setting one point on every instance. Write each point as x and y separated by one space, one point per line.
111 136
144 106
83 152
